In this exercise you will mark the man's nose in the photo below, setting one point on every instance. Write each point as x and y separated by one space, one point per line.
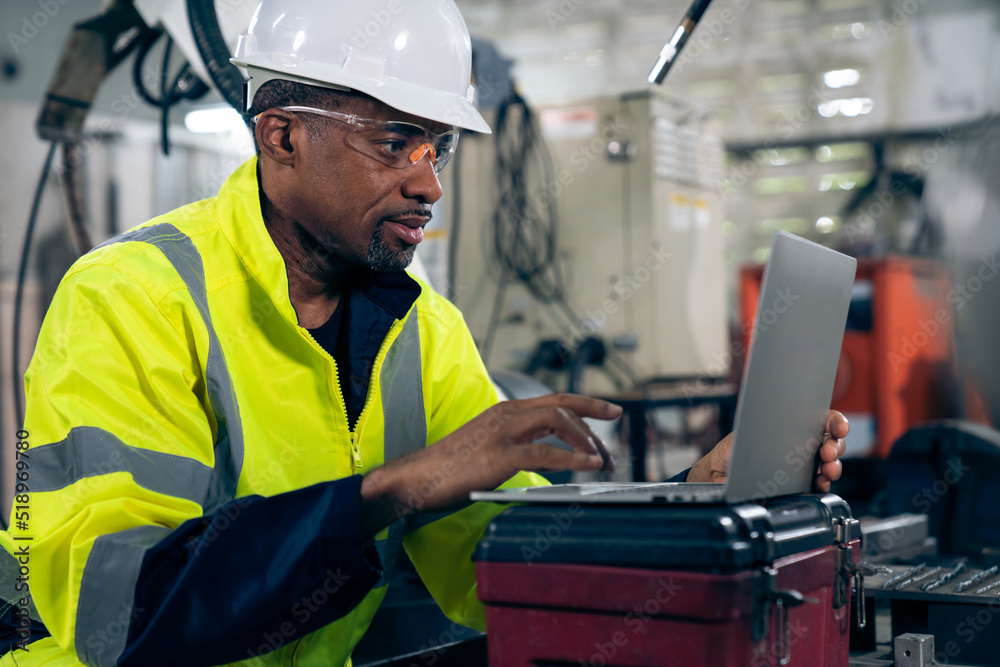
421 180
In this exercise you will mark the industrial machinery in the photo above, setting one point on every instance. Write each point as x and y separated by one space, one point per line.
897 365
625 225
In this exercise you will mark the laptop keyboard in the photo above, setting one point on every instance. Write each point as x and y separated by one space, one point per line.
670 490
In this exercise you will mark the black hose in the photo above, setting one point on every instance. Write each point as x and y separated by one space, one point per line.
166 95
214 52
140 59
19 294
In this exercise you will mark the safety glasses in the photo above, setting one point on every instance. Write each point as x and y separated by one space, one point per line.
392 143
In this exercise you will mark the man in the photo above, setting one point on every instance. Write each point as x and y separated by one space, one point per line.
229 407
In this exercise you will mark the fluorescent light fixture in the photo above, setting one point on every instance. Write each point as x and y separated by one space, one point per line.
219 119
829 109
841 78
851 107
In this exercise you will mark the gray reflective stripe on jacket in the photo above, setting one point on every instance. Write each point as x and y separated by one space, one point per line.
405 424
405 431
88 451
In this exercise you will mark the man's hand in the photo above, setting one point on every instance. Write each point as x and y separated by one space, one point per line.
485 453
712 467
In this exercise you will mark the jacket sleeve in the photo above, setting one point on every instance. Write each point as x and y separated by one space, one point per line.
459 390
127 565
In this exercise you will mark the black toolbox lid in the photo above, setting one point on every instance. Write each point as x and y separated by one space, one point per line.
675 536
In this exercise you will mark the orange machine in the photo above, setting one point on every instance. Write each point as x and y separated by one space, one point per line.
897 365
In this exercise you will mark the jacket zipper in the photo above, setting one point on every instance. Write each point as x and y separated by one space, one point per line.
355 452
354 435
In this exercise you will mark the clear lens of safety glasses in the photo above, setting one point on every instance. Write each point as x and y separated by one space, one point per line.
393 143
400 145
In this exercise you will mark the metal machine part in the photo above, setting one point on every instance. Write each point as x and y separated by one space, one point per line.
909 581
945 578
913 650
906 574
908 650
95 47
672 49
897 538
639 241
975 579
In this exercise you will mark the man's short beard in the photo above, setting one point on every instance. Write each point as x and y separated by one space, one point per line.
383 258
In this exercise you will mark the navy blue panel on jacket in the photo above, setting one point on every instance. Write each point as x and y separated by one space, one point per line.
354 334
13 632
222 586
679 477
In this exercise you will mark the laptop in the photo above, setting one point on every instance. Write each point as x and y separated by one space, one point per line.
784 397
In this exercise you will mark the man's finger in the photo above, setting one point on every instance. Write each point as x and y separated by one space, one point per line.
572 422
583 406
831 450
837 424
542 456
831 471
540 422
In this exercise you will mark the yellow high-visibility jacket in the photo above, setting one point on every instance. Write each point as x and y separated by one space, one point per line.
183 428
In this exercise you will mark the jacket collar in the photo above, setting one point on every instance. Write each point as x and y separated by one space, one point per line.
237 208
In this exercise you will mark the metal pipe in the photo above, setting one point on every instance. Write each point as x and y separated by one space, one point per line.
670 51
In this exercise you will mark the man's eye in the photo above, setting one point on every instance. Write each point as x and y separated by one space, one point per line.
392 146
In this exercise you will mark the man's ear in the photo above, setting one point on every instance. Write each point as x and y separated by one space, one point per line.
274 130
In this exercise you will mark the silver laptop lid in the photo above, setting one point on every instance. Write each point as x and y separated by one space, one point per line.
788 382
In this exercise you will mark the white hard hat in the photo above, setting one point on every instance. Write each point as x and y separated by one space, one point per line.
413 55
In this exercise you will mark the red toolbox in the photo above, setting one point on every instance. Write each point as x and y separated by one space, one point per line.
670 584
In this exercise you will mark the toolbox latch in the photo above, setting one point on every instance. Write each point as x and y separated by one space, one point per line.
782 600
852 574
